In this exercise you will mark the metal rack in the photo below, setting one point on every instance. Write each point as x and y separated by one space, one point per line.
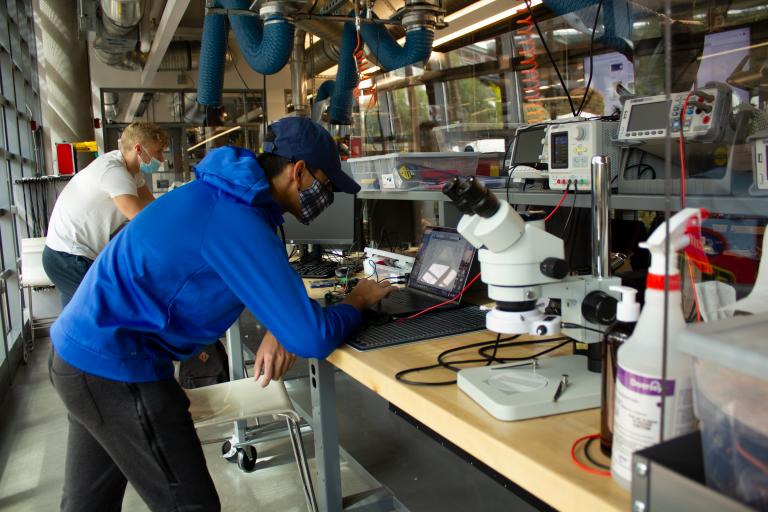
733 205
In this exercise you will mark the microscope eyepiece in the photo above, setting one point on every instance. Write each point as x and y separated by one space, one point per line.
470 196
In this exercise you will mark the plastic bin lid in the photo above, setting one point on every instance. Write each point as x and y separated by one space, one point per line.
738 343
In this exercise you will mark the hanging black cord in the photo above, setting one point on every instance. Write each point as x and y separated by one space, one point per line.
591 54
570 213
26 208
551 59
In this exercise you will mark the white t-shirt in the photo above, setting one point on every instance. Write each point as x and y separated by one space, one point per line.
85 216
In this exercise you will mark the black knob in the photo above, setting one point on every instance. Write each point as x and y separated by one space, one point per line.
599 308
541 330
554 268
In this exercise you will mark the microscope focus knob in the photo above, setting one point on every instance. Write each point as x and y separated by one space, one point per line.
555 268
599 308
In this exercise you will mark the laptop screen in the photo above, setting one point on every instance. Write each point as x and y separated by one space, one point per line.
443 263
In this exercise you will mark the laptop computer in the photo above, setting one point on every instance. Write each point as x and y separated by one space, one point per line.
439 273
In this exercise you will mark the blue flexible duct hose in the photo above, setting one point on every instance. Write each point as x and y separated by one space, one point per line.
325 90
266 49
212 53
417 47
340 111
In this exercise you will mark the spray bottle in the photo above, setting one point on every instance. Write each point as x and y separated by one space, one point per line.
627 313
641 389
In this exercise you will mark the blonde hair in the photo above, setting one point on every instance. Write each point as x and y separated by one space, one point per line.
143 133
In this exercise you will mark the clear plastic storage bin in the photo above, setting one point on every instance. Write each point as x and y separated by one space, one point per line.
364 172
730 377
422 171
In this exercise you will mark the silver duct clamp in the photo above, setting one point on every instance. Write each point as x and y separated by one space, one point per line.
279 9
419 14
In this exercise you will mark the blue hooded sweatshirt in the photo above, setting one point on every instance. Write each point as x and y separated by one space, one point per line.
180 274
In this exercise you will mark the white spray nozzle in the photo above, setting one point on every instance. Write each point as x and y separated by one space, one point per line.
628 309
678 240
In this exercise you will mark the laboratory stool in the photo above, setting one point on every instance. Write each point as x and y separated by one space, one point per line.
245 398
32 276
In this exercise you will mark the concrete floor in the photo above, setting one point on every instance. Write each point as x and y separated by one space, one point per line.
424 476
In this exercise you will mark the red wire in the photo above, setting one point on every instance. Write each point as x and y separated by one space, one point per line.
581 465
682 150
565 193
445 302
693 286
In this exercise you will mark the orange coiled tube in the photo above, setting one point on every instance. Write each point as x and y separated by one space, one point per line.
533 106
359 55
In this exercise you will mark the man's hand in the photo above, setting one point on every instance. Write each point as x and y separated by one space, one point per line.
272 360
367 293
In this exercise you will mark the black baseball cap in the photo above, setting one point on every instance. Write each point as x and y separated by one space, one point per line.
300 138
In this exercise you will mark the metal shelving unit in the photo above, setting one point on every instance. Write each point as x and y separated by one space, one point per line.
732 205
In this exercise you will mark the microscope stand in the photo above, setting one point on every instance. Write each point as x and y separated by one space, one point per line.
516 391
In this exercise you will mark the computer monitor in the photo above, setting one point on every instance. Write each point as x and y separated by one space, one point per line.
335 226
528 145
723 52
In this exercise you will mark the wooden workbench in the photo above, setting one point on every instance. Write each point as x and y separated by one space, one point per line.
534 454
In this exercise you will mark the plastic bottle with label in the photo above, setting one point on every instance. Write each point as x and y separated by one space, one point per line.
641 389
627 313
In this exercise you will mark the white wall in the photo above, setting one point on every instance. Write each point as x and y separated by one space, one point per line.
103 76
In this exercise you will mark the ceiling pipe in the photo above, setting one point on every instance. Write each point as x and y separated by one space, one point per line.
266 43
299 75
118 34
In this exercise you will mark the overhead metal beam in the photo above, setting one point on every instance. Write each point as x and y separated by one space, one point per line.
174 11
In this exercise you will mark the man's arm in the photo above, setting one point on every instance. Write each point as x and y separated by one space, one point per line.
145 196
128 205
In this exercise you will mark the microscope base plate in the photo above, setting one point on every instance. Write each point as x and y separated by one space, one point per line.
517 392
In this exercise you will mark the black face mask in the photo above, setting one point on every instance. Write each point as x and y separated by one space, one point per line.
314 200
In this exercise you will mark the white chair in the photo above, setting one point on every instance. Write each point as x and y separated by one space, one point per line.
32 276
245 398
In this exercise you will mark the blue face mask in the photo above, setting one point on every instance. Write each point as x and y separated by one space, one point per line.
153 165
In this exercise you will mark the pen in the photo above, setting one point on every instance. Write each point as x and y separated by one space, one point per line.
561 387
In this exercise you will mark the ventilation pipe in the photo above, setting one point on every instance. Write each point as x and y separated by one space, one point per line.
299 75
340 111
266 43
111 107
419 21
118 33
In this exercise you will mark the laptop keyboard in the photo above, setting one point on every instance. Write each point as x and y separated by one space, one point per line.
412 300
436 324
316 270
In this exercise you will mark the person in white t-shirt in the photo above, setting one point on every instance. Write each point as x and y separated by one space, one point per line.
96 203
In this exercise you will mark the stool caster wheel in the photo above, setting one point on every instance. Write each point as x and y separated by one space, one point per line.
228 452
24 353
246 458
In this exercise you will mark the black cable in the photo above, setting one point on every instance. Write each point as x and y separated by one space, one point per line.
570 213
590 458
503 360
568 325
591 54
234 64
551 59
399 375
484 346
509 178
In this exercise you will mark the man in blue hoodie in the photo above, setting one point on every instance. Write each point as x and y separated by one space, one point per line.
172 282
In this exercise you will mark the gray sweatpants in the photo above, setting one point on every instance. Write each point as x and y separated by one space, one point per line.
120 432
